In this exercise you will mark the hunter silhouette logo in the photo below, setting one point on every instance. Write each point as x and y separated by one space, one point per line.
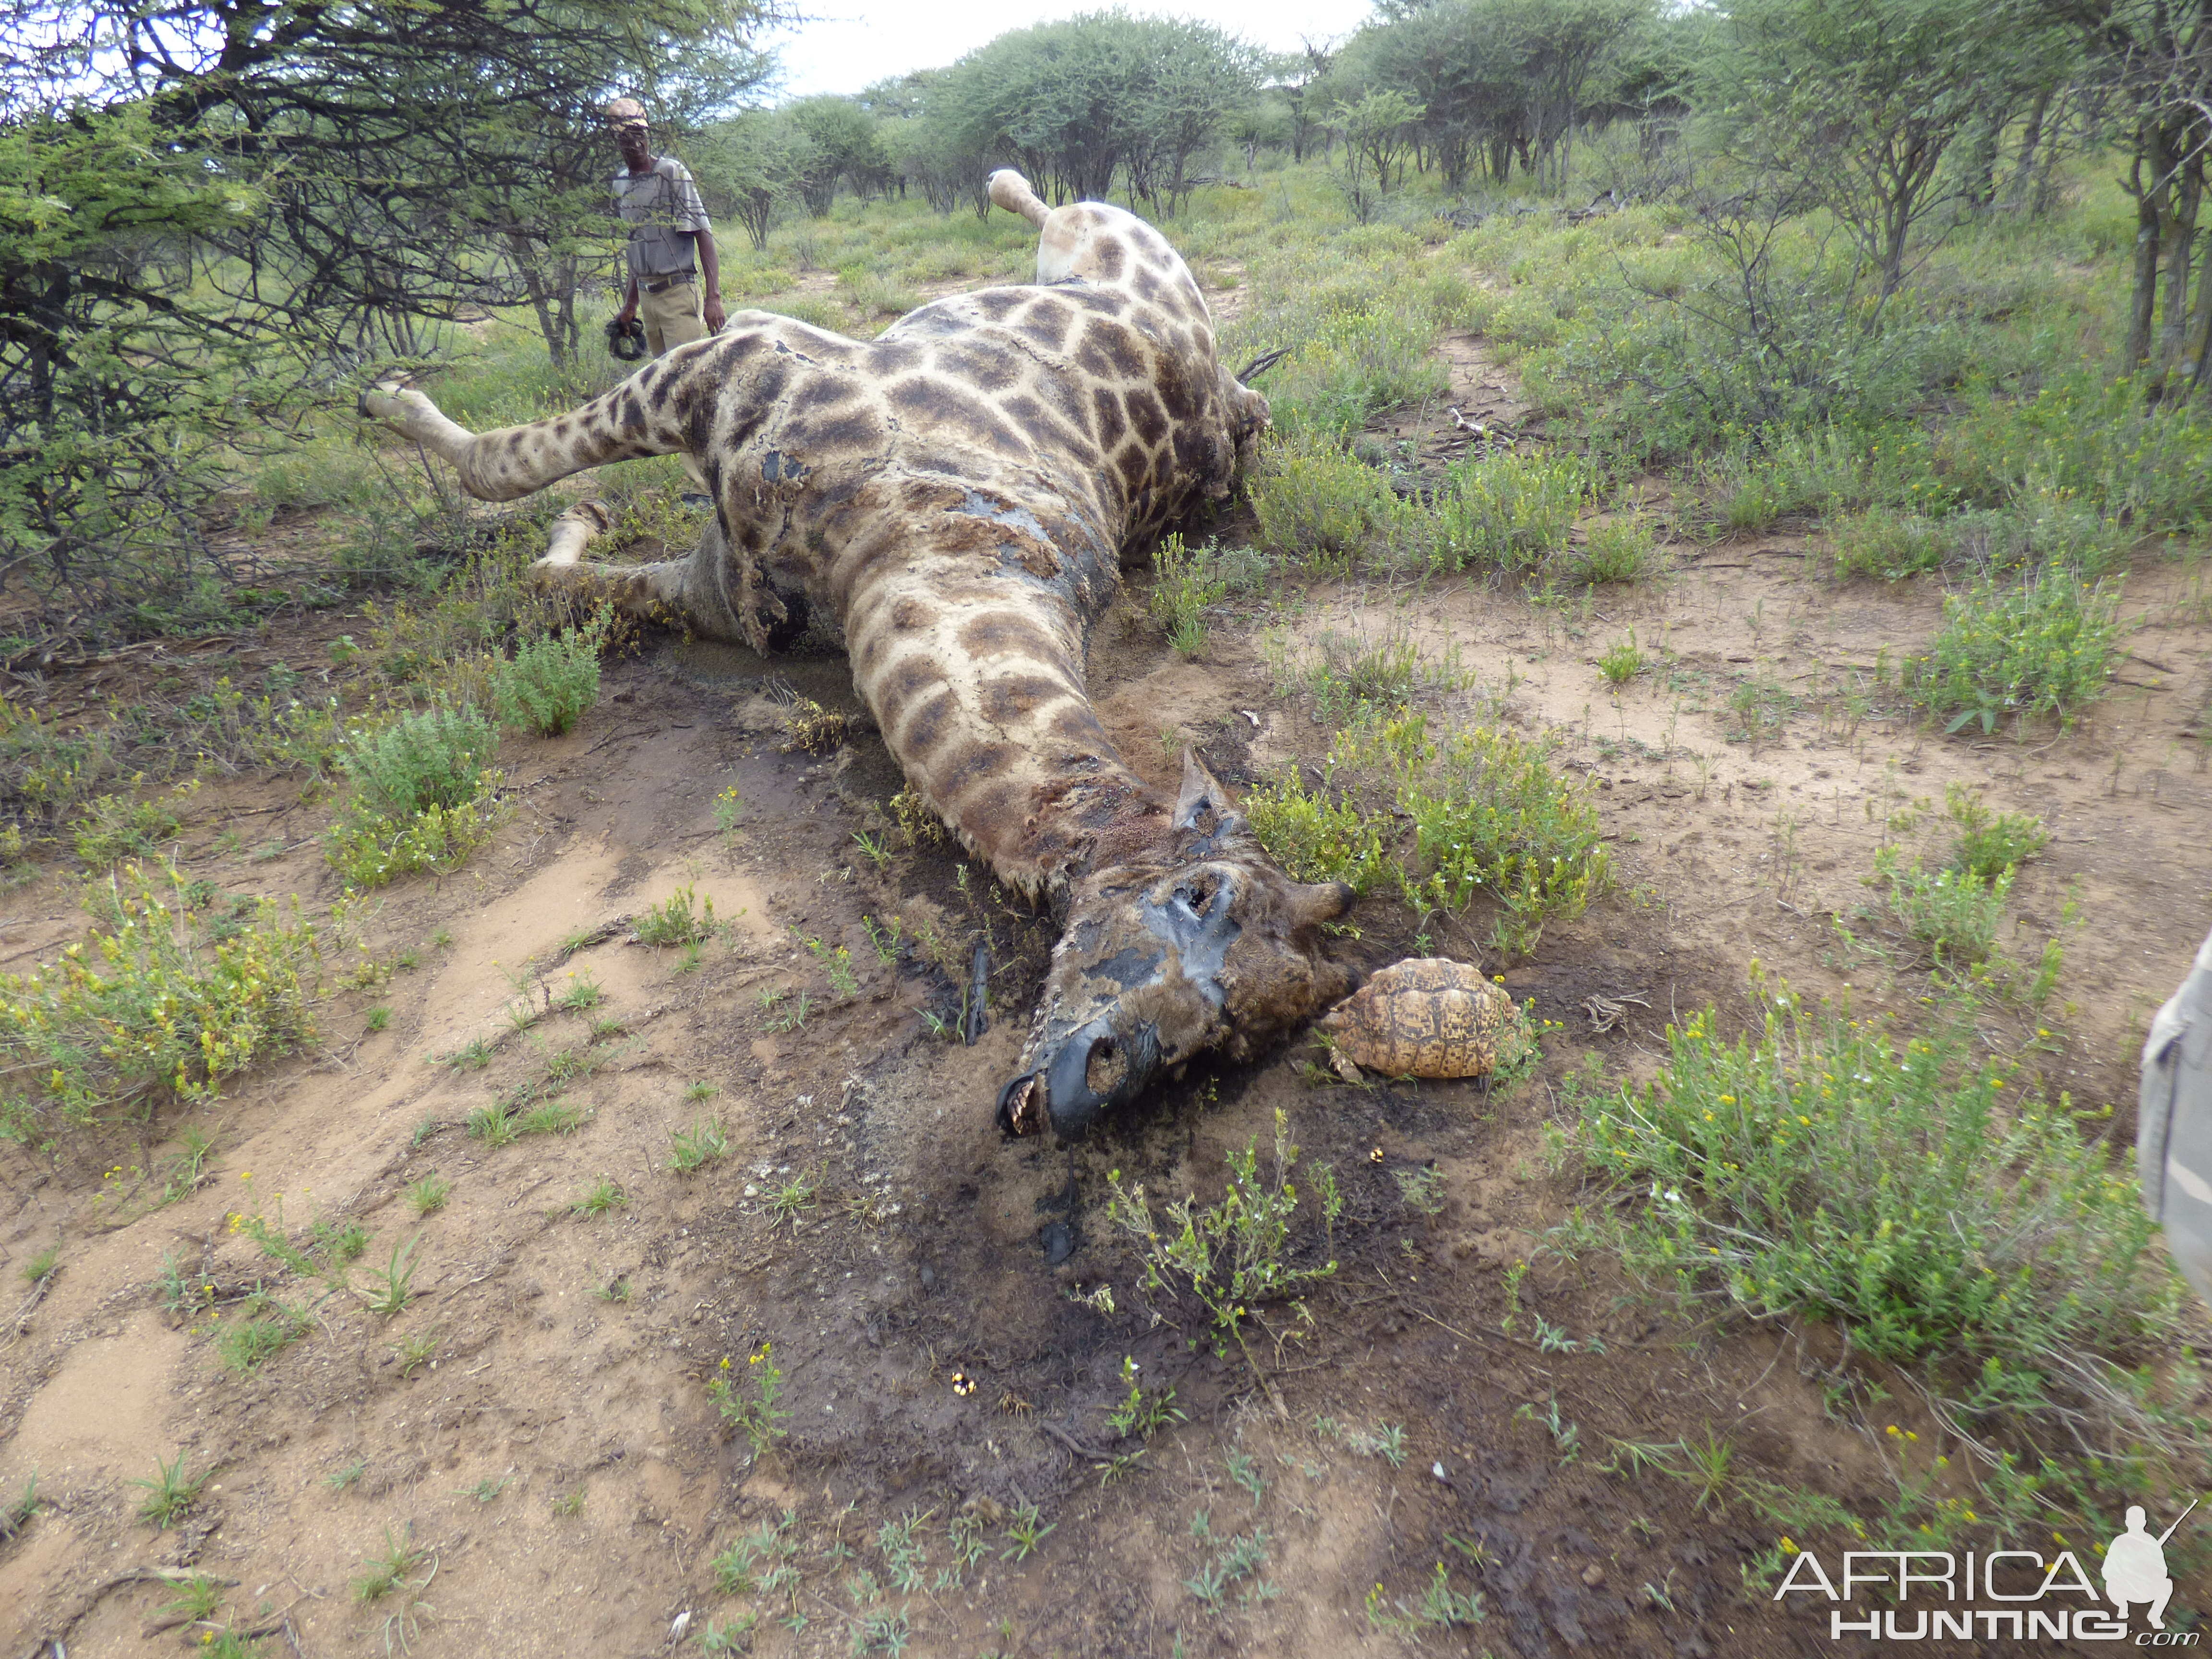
1937 1595
2134 1565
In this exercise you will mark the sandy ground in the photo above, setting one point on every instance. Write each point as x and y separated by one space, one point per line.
536 1421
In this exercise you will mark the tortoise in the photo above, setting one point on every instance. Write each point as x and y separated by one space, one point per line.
1424 1017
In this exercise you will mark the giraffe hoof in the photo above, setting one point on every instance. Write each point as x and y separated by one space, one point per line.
381 402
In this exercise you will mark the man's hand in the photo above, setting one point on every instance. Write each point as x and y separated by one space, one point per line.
710 280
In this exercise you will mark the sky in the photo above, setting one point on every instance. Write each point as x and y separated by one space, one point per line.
855 43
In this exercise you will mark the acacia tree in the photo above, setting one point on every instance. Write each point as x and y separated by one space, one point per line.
840 143
1378 135
1858 106
1073 103
750 167
2153 60
1498 79
211 200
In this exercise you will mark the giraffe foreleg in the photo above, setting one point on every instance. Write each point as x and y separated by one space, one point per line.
685 593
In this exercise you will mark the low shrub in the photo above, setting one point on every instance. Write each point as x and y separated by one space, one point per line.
553 679
1354 672
1354 365
1955 913
1478 812
1946 1216
1320 506
1990 842
47 773
1238 1254
154 1000
113 828
1187 582
433 757
1620 550
2089 439
1891 545
422 795
1507 512
2041 646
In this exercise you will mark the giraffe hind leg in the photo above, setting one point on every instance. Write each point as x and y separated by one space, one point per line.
683 592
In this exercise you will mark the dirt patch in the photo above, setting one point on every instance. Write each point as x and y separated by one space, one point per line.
537 1414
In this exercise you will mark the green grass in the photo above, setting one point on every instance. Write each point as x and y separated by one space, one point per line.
392 1286
263 1330
16 1511
39 1265
676 919
171 1491
422 795
699 1145
1479 813
1928 1200
429 1193
601 1197
2017 650
390 1568
552 680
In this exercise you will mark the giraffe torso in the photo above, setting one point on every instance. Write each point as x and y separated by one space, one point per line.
951 500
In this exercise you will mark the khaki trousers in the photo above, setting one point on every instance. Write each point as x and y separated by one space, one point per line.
671 316
672 319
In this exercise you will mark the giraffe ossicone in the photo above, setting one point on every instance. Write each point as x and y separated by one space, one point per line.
950 503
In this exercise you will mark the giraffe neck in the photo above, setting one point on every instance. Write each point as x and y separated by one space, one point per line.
964 610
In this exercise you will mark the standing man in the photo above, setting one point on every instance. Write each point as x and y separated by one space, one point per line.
673 266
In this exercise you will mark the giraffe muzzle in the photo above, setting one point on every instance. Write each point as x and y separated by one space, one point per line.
1095 1070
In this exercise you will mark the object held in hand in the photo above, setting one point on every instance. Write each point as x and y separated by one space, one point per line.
626 339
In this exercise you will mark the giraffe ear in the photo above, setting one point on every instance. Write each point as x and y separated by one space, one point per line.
1201 795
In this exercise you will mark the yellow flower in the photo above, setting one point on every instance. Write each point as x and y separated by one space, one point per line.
1789 1547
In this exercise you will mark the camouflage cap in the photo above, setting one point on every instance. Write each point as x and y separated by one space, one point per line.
626 112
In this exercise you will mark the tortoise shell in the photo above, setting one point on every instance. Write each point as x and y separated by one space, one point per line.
1425 1017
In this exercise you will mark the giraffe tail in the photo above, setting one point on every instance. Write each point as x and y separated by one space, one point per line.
1009 191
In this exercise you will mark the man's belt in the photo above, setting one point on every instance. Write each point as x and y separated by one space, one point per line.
666 283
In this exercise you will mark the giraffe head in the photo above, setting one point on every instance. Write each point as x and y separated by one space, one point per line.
1201 944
